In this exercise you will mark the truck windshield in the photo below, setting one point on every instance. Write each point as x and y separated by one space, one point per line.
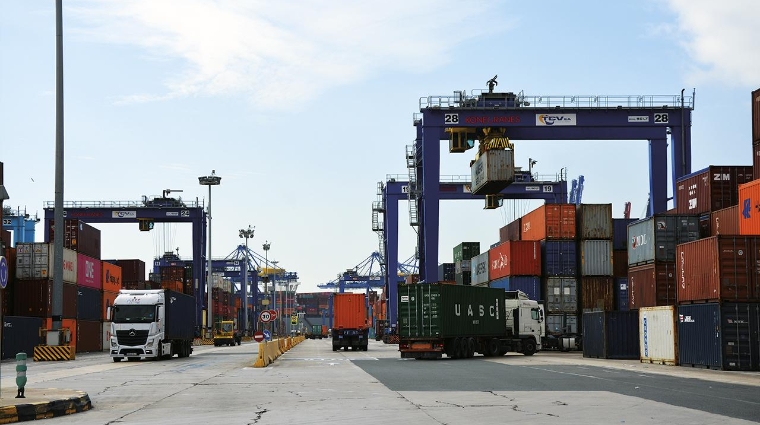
134 313
226 327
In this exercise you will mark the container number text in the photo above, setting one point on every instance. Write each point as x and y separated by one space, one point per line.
404 189
661 118
451 118
7 222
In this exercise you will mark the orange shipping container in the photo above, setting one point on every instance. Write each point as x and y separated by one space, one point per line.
749 214
725 221
70 324
111 277
350 311
549 221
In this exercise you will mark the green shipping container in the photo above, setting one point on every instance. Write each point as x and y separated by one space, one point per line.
466 250
445 311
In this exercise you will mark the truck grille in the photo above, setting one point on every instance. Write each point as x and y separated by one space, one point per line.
132 337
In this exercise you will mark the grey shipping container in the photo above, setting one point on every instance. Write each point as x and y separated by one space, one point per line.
655 238
180 315
89 303
445 311
561 324
596 257
464 278
561 295
594 221
492 171
465 251
719 336
480 269
611 334
20 335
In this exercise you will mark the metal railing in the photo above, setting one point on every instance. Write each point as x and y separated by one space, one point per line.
462 100
116 204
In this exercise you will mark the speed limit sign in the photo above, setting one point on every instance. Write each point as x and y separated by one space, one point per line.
265 316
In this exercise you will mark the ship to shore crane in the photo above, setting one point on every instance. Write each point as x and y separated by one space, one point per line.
576 190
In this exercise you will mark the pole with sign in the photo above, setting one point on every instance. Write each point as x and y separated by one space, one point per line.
3 284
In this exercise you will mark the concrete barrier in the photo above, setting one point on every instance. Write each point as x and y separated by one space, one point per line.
271 350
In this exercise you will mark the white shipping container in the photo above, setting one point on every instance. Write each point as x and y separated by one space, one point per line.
493 171
658 338
35 261
596 258
480 270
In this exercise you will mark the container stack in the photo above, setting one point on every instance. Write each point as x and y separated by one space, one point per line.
446 273
111 284
595 232
132 273
463 254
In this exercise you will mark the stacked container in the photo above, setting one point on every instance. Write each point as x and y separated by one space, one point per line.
620 261
463 254
595 230
516 265
446 273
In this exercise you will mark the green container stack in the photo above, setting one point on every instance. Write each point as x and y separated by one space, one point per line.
463 253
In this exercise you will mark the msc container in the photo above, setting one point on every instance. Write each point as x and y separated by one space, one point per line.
446 272
531 285
620 263
466 250
89 303
515 258
655 238
493 171
445 311
561 295
597 293
560 257
719 336
725 221
611 334
711 189
34 298
549 221
131 270
479 267
350 310
89 336
652 285
620 293
35 261
20 335
749 216
111 277
511 232
594 221
78 236
561 324
720 268
89 272
658 335
596 257
620 232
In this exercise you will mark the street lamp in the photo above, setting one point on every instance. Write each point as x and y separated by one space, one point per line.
266 273
246 233
212 180
277 319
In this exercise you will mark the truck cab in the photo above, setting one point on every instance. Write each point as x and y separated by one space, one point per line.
225 334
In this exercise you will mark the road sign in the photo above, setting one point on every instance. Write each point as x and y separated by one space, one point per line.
266 316
293 319
267 335
258 336
273 314
3 272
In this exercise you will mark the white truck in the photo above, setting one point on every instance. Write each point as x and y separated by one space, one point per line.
152 323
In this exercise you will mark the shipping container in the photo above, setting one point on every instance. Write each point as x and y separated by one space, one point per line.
89 303
350 310
652 285
515 258
20 335
756 117
719 336
108 299
594 221
597 293
531 285
89 272
560 257
720 268
466 250
620 232
561 324
493 171
561 294
655 238
704 226
446 271
549 221
33 298
511 232
66 324
710 189
106 336
34 261
658 335
620 263
621 294
596 257
463 278
5 237
179 311
78 236
611 335
445 311
756 159
725 221
480 270
89 336
131 270
749 215
111 277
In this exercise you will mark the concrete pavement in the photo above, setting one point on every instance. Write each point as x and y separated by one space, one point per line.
40 403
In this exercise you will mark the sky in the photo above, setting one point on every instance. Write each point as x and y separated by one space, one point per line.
302 107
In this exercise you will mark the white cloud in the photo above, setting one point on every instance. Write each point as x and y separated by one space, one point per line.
278 53
722 38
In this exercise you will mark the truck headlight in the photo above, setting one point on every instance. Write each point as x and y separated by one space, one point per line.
113 342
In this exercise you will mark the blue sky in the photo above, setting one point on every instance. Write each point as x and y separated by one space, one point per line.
302 107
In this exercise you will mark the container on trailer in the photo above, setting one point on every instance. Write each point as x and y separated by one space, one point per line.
89 336
531 285
480 270
611 334
596 257
34 298
89 303
711 189
444 311
35 261
749 216
78 236
658 335
561 324
655 238
511 232
180 308
560 257
350 310
20 335
465 251
89 272
621 293
561 295
719 335
549 221
594 221
493 171
725 221
515 258
597 293
652 285
620 232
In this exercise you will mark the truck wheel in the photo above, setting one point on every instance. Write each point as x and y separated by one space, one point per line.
463 348
456 348
470 347
492 347
529 347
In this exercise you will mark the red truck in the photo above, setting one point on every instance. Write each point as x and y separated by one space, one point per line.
350 322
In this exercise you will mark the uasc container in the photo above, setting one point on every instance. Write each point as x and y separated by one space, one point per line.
515 258
611 334
711 189
594 221
549 221
655 238
658 335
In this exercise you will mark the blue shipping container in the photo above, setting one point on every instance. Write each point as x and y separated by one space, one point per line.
531 285
20 335
719 336
611 334
180 315
89 303
620 232
621 294
560 258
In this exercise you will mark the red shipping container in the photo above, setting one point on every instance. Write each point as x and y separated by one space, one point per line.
711 189
89 272
756 159
549 221
108 299
597 293
131 270
89 336
350 311
652 285
515 258
720 268
749 212
78 236
33 298
725 221
111 277
620 263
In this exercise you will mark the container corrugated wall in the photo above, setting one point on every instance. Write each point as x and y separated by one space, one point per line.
652 285
479 270
515 258
531 285
89 336
596 257
493 171
560 258
725 221
33 298
749 218
597 293
711 189
89 272
594 221
78 236
89 303
20 335
611 335
655 238
620 232
511 232
561 295
549 221
181 309
756 117
658 335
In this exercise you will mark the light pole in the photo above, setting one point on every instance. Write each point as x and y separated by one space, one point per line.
212 180
274 286
246 233
266 274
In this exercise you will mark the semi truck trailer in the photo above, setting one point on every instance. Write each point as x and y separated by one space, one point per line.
350 323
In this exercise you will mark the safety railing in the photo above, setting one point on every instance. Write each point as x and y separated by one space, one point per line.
462 100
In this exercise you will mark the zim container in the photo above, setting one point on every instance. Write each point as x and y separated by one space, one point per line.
531 285
549 221
658 335
652 285
655 238
515 258
560 257
611 334
594 221
714 188
722 336
444 311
